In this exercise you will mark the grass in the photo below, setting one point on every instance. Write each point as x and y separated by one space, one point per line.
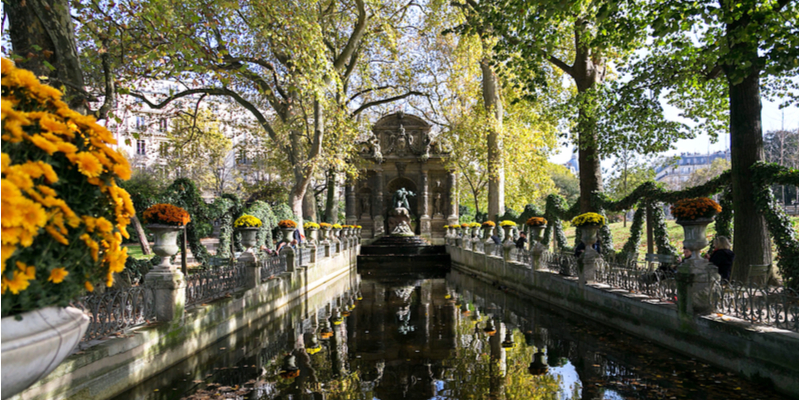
135 251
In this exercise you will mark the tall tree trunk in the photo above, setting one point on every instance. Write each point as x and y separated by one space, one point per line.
494 143
310 206
751 238
331 201
43 39
143 242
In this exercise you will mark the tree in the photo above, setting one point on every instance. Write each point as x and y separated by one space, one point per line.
715 57
565 182
628 174
197 149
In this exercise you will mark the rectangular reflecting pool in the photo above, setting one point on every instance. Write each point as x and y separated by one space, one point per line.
433 337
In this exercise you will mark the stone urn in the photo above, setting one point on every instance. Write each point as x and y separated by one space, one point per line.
694 234
487 233
536 232
507 238
35 345
538 366
249 237
288 234
166 244
336 233
325 232
589 235
312 235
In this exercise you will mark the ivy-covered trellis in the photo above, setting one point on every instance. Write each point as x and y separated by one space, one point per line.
183 193
648 193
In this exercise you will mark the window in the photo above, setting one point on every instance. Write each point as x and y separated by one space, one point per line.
141 148
242 159
162 123
140 123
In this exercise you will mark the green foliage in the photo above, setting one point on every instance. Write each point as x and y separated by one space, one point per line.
567 184
660 234
780 226
263 211
225 208
723 222
632 245
531 210
555 211
144 189
273 193
183 193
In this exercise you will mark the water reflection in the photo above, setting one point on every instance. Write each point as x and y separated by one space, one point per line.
453 338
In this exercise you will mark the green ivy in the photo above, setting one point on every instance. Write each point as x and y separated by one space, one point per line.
226 208
631 247
723 223
555 211
660 234
780 226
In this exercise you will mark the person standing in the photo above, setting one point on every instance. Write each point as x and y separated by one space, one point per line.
521 241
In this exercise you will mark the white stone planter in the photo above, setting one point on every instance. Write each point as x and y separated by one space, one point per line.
166 243
694 234
249 237
288 234
536 232
36 345
589 235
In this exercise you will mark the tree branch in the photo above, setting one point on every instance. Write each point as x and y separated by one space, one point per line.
384 101
355 37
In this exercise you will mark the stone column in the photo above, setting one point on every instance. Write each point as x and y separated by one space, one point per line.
169 288
425 218
252 272
290 258
696 281
589 260
377 207
537 249
350 203
452 217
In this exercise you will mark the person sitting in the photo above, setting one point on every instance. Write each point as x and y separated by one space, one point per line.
580 248
268 251
495 238
722 257
521 241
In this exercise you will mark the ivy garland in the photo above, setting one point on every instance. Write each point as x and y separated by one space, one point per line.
183 193
606 239
723 223
780 227
263 211
660 235
631 246
555 211
227 207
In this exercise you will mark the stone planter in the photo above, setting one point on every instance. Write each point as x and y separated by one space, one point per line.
337 233
487 233
312 235
507 239
536 232
34 346
694 234
166 244
589 235
249 237
325 233
288 234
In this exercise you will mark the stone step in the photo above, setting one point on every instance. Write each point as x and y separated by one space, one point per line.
402 250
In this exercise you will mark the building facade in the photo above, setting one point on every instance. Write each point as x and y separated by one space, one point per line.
675 174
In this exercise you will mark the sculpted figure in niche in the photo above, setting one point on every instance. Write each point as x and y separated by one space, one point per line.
437 204
365 205
400 198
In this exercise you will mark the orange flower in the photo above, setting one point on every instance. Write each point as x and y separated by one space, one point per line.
167 214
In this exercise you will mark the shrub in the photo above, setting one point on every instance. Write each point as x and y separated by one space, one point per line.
64 215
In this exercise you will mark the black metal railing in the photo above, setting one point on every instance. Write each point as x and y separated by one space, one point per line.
272 266
637 278
759 304
212 284
563 263
117 311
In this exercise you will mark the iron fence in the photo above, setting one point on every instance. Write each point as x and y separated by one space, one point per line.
208 285
563 263
636 278
759 304
271 266
117 311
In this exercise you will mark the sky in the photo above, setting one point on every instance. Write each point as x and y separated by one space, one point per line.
770 120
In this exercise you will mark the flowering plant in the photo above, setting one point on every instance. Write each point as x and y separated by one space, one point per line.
166 214
508 223
489 224
589 219
358 226
474 225
446 227
287 223
465 225
699 207
536 221
310 225
247 221
337 226
63 215
324 225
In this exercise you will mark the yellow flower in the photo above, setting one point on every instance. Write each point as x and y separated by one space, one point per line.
6 161
43 144
28 270
7 252
67 148
16 285
89 287
104 225
57 275
88 164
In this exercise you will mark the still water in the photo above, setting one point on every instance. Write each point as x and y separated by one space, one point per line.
436 338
